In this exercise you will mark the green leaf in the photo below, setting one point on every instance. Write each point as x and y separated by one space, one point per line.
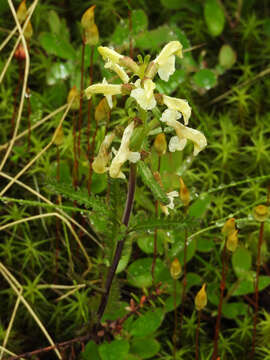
177 248
139 273
145 348
125 256
175 223
199 207
146 243
172 4
54 22
232 310
81 196
227 57
241 261
205 78
214 17
151 183
55 45
121 33
205 244
91 351
147 323
247 286
153 39
139 21
115 350
266 26
168 87
193 279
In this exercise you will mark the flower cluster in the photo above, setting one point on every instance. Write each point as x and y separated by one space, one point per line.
142 91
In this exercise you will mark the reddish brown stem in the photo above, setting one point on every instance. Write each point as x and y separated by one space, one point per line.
184 279
81 100
120 243
257 289
16 93
197 335
175 319
155 234
130 31
89 120
222 288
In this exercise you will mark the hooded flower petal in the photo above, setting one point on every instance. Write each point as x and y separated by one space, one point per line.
119 71
144 95
180 105
109 54
101 160
104 88
166 59
183 133
123 154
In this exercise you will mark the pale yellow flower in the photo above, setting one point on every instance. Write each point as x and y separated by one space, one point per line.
184 133
123 154
118 70
109 54
180 105
144 95
104 88
166 59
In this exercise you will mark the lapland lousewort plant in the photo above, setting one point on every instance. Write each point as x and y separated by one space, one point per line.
142 91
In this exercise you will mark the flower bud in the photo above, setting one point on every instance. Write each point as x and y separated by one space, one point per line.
91 35
160 144
232 241
261 213
201 299
74 93
28 32
88 19
175 269
59 136
102 111
22 12
229 227
184 193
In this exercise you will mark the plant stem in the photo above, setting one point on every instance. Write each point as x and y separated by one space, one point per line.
130 30
184 275
184 280
222 288
197 335
89 124
155 233
81 100
175 319
75 160
257 289
120 244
